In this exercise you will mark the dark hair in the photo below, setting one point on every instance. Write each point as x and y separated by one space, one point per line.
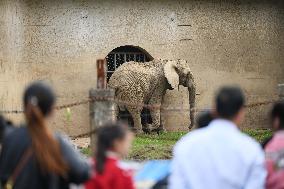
278 112
39 100
229 101
204 118
106 136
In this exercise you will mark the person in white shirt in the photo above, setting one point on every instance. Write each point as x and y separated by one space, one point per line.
219 156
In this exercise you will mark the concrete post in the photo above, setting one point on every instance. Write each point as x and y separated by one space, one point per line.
102 109
281 91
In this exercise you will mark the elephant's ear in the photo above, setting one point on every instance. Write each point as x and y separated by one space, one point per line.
171 74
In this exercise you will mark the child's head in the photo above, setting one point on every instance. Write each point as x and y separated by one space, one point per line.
114 137
277 116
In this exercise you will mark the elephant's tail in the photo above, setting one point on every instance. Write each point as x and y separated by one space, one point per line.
118 99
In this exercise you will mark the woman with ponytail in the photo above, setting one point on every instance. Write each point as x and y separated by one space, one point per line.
35 158
113 143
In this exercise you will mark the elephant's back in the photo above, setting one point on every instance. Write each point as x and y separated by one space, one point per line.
137 67
133 74
135 81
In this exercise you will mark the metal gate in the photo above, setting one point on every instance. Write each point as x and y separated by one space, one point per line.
114 60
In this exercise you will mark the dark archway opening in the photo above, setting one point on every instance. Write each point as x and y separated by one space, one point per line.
116 58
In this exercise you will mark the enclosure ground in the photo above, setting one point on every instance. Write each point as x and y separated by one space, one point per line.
160 146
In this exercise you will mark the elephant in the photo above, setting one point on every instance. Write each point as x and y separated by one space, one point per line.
136 84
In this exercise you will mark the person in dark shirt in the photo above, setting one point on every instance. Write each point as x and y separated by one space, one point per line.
6 127
204 118
50 160
2 128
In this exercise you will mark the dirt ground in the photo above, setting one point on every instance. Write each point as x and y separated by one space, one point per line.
81 143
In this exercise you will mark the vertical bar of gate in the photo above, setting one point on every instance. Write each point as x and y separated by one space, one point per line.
115 62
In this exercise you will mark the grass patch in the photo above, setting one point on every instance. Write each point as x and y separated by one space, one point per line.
258 134
154 146
160 146
87 151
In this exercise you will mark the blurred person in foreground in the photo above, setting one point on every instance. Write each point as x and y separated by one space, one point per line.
2 128
204 119
219 155
274 149
6 127
32 156
113 143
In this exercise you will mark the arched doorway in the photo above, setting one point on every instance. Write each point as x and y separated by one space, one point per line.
123 54
116 58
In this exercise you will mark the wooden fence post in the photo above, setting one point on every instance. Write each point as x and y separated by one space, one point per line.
281 91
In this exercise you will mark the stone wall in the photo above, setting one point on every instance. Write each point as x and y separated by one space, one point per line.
59 41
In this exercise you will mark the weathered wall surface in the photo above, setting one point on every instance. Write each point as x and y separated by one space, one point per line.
12 79
59 41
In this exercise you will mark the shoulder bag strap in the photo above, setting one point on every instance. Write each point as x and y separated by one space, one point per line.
24 159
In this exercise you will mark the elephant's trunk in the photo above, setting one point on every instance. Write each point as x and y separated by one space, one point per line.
192 93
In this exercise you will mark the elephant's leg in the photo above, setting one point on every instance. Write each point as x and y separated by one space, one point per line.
116 112
155 112
192 93
162 123
135 113
156 119
155 109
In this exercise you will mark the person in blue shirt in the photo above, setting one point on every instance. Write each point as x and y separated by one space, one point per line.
219 156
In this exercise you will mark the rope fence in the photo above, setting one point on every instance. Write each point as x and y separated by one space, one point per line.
150 107
89 133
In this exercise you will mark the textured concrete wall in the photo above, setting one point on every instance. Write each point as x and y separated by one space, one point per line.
59 41
12 79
